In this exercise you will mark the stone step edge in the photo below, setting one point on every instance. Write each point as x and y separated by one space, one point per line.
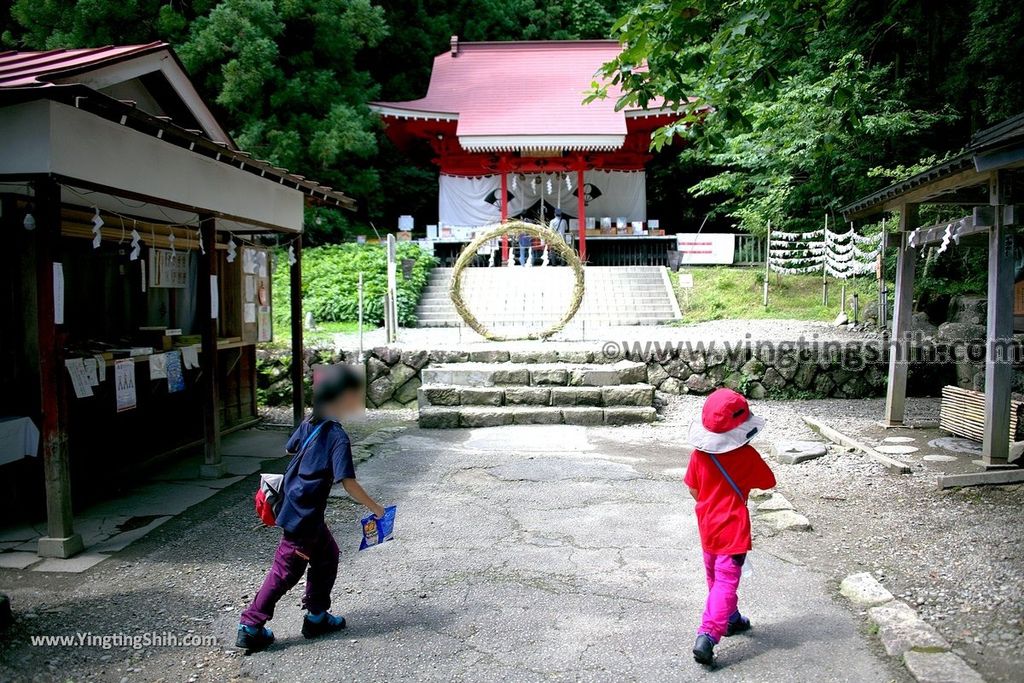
454 417
639 395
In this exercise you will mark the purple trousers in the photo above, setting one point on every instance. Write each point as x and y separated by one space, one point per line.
320 553
723 574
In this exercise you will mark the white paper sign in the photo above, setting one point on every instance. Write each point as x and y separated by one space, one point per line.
706 248
250 313
124 383
190 356
686 280
158 366
79 380
101 368
214 298
58 293
90 372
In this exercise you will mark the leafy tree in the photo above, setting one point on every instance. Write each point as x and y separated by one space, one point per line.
792 104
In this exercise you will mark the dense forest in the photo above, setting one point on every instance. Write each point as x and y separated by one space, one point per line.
812 102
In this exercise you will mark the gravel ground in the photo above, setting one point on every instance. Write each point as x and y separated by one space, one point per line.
956 555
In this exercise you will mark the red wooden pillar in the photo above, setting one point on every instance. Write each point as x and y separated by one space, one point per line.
298 355
582 211
61 539
213 466
504 210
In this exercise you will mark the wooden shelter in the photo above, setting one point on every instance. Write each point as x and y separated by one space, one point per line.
985 179
506 124
140 274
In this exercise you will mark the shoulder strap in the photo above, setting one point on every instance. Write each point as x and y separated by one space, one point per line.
725 474
302 448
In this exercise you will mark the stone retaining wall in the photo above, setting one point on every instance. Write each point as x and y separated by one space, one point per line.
842 371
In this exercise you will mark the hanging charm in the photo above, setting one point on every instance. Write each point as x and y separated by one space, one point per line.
291 255
97 236
232 247
136 245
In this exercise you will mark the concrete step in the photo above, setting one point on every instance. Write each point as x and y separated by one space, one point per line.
535 374
484 416
641 395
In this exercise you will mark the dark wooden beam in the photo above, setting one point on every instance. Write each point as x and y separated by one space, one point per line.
209 325
999 333
896 388
298 353
61 539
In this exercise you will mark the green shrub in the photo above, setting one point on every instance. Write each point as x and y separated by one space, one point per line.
330 283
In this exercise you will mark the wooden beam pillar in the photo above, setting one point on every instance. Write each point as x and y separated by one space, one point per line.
298 352
209 324
61 539
504 209
899 343
999 333
581 210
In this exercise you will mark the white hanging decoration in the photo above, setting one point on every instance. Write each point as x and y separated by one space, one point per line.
97 236
291 255
912 239
494 250
544 258
947 237
29 222
568 183
232 250
170 239
551 187
136 246
199 240
515 182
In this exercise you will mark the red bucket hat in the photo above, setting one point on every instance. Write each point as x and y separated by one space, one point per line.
726 423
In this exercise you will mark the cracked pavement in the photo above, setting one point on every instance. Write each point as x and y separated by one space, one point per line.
524 553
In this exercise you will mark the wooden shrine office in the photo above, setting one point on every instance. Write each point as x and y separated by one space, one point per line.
139 275
986 182
506 125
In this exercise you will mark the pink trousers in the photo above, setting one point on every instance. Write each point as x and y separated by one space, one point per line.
723 573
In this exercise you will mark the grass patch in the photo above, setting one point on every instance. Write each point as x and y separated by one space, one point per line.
720 293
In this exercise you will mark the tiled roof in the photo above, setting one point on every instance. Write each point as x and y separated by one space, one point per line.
530 90
34 69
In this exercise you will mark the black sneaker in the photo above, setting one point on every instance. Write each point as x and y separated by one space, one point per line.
740 625
254 640
704 649
329 624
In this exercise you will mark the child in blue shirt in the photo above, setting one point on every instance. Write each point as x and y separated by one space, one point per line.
307 542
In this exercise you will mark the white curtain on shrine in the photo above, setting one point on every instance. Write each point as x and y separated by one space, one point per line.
477 201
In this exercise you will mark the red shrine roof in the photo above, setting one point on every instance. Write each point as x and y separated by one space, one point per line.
34 69
522 96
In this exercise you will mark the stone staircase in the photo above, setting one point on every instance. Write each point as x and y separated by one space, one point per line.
537 296
504 393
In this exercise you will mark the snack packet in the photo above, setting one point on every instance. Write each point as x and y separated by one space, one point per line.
378 530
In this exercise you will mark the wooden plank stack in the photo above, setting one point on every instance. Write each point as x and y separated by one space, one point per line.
962 413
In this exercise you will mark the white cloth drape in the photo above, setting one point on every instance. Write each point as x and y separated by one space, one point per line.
477 201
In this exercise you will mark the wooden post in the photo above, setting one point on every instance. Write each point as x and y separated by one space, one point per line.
899 347
767 261
209 323
298 352
824 265
504 211
390 298
61 539
999 333
581 209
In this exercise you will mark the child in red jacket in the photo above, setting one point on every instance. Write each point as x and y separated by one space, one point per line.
722 470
